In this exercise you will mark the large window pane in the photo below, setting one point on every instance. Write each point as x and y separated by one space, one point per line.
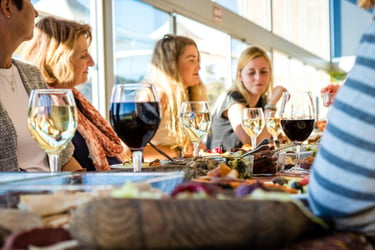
305 23
255 11
80 11
214 47
137 27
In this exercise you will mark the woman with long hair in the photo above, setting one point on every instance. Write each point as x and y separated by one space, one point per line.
174 70
252 88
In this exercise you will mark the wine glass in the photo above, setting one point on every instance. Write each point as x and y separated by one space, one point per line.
273 126
253 123
195 121
297 118
52 121
135 116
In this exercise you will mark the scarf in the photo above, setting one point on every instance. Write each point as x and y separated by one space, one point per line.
98 134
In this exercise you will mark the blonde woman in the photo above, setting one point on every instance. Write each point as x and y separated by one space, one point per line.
251 88
174 70
60 50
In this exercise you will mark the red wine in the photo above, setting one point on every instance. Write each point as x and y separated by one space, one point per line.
135 123
298 130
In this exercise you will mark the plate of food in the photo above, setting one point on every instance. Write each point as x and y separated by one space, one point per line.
129 164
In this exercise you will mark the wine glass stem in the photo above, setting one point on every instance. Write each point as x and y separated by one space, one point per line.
298 155
196 149
137 161
53 160
276 141
253 142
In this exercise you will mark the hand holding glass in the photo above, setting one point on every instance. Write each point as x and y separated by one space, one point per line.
297 118
253 123
135 116
52 121
195 121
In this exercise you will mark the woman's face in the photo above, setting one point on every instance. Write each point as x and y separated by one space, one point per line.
256 76
82 61
188 66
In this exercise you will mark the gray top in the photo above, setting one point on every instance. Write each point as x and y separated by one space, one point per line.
31 79
221 133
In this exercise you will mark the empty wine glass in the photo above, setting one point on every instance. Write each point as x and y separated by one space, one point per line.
195 121
297 118
52 121
253 123
273 126
135 116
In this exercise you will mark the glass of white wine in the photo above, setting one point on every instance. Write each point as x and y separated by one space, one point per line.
52 121
195 120
253 123
273 126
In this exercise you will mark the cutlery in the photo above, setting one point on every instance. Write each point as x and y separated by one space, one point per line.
263 144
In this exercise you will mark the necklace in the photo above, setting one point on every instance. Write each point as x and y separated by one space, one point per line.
11 81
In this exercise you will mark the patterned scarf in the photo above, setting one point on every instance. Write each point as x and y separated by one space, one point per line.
100 138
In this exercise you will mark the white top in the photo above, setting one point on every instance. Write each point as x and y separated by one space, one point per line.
14 99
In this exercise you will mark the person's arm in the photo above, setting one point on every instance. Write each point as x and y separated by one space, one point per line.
234 115
72 165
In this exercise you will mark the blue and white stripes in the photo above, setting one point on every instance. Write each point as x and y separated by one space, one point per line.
342 183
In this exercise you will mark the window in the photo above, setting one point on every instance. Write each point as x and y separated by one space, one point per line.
214 47
255 11
305 23
80 11
137 28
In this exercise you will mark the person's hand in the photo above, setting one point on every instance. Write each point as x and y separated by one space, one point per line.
277 92
329 93
331 88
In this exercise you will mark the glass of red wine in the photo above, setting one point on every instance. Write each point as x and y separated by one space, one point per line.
297 118
135 116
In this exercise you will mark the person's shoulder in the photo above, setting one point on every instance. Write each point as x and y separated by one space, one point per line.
20 63
235 95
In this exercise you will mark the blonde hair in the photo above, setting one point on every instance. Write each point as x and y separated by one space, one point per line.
165 75
366 4
52 48
246 56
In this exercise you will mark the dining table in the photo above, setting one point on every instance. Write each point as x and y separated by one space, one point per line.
108 222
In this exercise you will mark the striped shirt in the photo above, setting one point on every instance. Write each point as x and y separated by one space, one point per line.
342 183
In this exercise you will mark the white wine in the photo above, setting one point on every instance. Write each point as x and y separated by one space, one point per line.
195 124
273 126
52 127
253 127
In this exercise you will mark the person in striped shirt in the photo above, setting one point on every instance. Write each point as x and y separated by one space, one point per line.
342 182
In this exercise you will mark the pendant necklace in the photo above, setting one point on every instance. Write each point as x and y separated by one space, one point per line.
11 82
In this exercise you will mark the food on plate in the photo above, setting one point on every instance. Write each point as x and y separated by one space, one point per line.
220 171
307 162
154 163
39 237
138 191
194 190
278 184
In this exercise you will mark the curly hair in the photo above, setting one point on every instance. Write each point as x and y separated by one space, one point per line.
52 48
